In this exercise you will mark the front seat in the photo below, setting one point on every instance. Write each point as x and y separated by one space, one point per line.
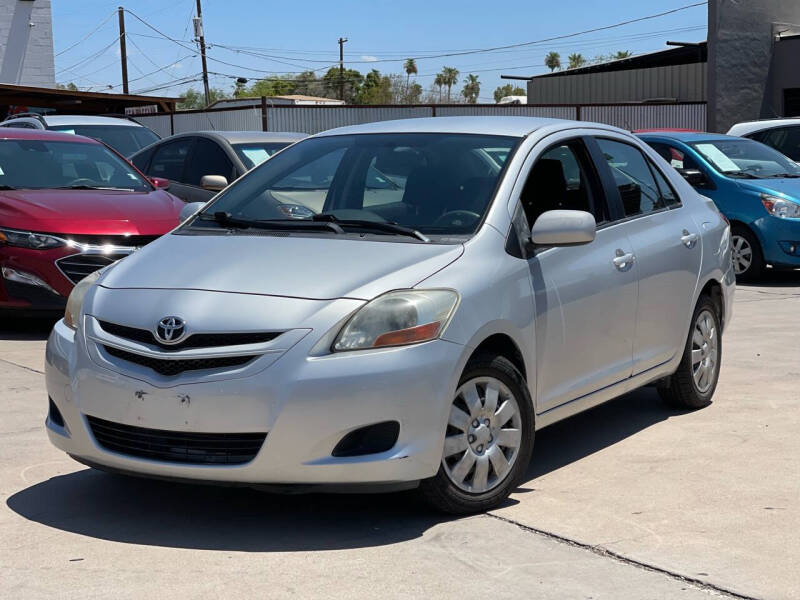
546 189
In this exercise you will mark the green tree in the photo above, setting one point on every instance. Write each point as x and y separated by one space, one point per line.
576 60
472 89
376 89
508 90
552 61
272 86
449 79
620 54
195 99
70 86
410 67
438 81
352 84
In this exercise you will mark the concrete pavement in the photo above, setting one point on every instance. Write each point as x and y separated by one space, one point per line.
629 500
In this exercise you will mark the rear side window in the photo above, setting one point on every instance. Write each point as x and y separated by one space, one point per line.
668 195
785 140
142 160
208 159
169 159
636 184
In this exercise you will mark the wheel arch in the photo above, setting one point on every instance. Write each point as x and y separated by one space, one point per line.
503 345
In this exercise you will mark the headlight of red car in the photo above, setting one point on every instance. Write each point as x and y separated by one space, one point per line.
29 239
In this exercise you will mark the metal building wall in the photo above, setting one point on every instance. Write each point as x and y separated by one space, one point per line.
684 83
648 116
246 119
313 119
508 110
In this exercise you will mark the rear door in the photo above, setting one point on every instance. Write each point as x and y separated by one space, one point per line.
585 296
666 243
169 162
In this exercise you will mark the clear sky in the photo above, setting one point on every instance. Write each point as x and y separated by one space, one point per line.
260 37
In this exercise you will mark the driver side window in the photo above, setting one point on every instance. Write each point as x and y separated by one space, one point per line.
561 179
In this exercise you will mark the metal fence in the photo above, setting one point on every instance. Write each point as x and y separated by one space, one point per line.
313 119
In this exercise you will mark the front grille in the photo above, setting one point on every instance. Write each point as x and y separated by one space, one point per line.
78 266
197 340
177 446
128 241
174 367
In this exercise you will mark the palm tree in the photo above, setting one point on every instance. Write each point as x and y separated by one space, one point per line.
449 78
472 89
410 67
552 61
622 54
439 82
576 60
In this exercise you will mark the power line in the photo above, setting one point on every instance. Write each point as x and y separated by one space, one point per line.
91 57
87 36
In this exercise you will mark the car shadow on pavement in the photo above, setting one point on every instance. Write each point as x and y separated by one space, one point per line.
158 513
15 327
772 278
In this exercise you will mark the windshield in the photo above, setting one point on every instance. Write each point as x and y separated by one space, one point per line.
125 139
433 183
253 155
746 158
37 164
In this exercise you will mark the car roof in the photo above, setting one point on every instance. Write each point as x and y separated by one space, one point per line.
747 127
245 137
11 133
686 136
484 125
66 120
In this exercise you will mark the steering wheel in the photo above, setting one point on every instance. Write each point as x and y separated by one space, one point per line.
82 181
457 218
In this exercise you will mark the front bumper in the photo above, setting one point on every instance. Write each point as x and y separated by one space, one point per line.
305 404
40 264
778 237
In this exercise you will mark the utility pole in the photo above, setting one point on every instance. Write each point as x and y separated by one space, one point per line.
123 53
341 67
198 33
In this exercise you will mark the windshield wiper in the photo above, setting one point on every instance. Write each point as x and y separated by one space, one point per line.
227 220
783 176
374 225
742 174
90 187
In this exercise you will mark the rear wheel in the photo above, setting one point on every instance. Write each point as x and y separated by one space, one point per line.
489 439
693 384
748 262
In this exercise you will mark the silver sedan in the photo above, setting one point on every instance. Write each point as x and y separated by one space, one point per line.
393 305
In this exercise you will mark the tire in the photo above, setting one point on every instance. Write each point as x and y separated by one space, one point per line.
684 388
481 465
745 247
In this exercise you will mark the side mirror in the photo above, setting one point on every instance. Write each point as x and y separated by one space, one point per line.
213 183
160 183
694 177
189 209
564 228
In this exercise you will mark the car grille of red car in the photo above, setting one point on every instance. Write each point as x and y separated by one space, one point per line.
126 241
77 266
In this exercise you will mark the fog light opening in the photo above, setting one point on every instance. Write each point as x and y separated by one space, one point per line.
372 439
54 414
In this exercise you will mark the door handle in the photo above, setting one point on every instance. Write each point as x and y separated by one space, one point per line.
623 261
689 239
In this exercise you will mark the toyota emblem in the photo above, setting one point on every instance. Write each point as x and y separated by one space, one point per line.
170 330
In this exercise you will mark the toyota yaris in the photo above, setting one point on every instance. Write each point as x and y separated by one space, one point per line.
466 282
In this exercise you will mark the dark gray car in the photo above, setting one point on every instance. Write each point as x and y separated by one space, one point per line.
186 158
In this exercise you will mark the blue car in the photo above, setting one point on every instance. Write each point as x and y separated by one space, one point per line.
756 187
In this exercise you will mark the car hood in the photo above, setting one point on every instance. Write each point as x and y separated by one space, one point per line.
787 187
297 266
90 211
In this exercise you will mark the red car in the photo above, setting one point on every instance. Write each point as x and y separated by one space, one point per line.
69 205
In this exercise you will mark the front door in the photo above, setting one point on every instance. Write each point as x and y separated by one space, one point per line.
586 295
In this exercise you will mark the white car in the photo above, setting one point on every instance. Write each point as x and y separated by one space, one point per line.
123 134
781 134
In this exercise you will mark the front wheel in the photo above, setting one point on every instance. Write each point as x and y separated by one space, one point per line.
748 262
693 384
489 439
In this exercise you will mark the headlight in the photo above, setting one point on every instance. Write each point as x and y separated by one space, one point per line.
398 318
780 207
29 239
75 300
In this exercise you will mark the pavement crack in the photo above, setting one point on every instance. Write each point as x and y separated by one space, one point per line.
8 362
606 553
